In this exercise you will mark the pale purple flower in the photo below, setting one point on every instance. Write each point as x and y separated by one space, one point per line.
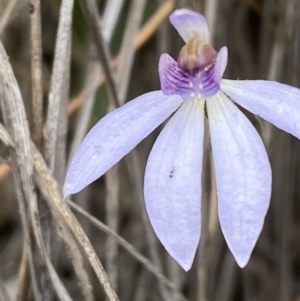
174 169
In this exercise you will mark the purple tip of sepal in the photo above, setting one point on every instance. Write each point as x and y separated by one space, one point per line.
190 24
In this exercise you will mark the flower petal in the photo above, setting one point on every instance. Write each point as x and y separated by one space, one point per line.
221 63
115 135
172 79
205 84
243 176
189 25
272 101
173 183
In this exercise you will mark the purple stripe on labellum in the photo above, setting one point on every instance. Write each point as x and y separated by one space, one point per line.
193 82
173 80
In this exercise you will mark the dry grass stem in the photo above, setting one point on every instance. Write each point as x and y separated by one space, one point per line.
126 56
22 165
5 137
59 80
6 15
84 115
36 71
84 281
50 190
23 277
56 124
211 10
112 186
110 17
90 11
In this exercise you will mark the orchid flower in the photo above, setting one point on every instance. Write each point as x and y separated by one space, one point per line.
192 89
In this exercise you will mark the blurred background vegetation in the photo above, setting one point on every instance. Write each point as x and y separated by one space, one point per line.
263 38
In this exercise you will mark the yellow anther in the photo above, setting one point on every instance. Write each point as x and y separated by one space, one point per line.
199 96
200 86
192 94
191 84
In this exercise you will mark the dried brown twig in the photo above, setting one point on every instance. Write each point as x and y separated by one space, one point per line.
36 72
50 191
